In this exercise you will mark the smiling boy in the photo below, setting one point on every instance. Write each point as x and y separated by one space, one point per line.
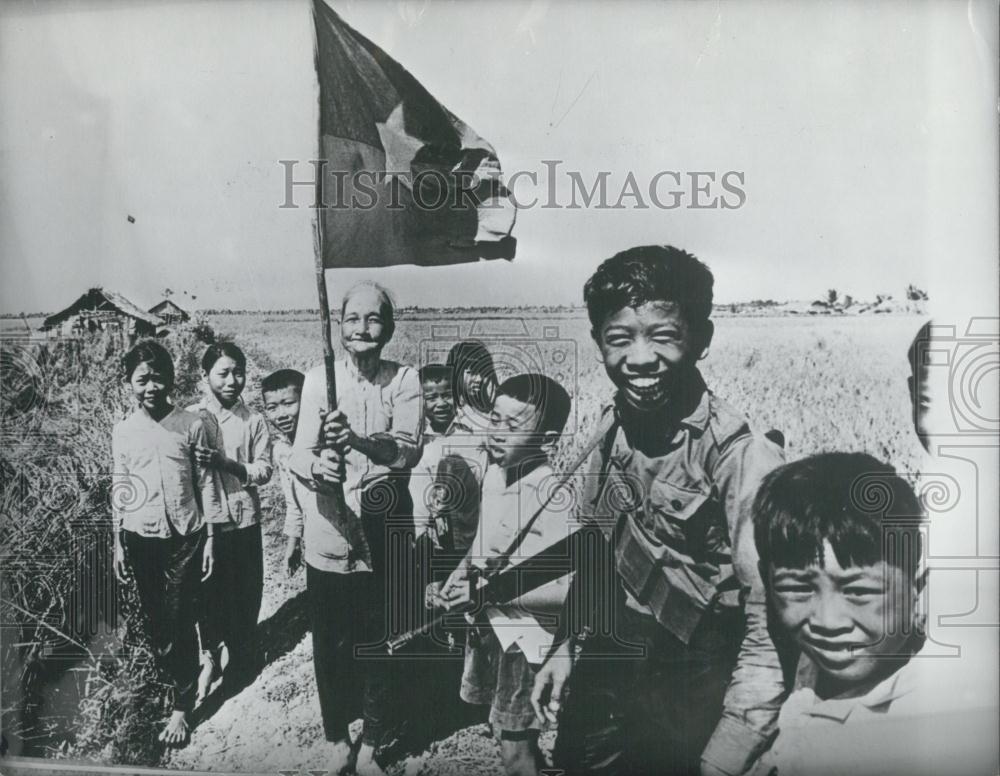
840 543
671 489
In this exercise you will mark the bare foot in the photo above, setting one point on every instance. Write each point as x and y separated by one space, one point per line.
343 757
366 762
176 731
210 672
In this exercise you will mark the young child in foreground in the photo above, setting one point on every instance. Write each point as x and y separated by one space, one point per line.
161 533
528 416
240 451
282 395
839 538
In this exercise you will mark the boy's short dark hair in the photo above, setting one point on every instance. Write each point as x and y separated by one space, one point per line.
649 273
543 393
435 373
222 349
152 353
282 378
860 505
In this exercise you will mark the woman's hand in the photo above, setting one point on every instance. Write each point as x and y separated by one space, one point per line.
207 457
337 432
293 554
208 558
328 466
550 684
456 591
121 567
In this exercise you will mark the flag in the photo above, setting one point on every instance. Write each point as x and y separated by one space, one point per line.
402 179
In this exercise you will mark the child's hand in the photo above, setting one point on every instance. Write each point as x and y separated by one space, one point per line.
550 681
337 431
456 591
206 456
121 567
431 595
293 554
208 558
328 466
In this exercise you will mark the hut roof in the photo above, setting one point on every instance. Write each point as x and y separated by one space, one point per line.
167 307
100 299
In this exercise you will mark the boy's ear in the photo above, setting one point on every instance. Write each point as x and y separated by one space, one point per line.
549 439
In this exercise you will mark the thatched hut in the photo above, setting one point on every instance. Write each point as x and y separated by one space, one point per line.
169 312
101 310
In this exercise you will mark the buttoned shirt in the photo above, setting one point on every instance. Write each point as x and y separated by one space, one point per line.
388 405
158 489
505 511
928 717
684 545
281 453
242 436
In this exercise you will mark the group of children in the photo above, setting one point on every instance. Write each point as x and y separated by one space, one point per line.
738 609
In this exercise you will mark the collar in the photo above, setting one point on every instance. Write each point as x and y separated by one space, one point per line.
211 402
144 414
895 686
351 370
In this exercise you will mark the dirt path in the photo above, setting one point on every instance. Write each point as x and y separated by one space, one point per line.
274 723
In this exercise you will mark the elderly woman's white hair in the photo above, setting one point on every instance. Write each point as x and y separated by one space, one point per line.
387 305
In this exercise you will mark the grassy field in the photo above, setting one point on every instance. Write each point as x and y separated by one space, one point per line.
829 383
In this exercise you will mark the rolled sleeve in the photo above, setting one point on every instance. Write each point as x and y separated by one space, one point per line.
407 420
756 690
209 483
259 468
293 509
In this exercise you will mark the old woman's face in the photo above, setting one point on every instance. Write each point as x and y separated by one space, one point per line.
363 326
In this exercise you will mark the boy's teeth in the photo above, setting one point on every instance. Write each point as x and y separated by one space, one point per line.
643 382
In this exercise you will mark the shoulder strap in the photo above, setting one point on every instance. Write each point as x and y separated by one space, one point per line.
607 425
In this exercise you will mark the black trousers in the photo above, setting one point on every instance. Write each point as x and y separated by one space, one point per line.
351 616
640 716
232 596
344 612
167 573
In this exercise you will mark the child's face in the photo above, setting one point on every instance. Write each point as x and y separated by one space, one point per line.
645 350
513 436
149 386
227 379
472 381
281 408
439 403
362 327
849 621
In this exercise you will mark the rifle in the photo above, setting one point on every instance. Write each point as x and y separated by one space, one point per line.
501 582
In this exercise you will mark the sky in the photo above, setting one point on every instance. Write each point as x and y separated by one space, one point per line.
865 134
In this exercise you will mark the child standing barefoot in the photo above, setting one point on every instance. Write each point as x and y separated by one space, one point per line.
161 533
240 451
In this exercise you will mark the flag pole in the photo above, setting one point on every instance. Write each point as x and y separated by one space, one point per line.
324 314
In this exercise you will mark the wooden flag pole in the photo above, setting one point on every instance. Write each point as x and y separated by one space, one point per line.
329 358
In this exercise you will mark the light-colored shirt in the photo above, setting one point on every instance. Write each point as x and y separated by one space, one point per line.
453 489
505 512
241 435
281 453
389 405
158 489
929 717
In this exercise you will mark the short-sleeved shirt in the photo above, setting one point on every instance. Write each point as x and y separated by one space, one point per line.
930 716
505 511
241 435
158 489
389 405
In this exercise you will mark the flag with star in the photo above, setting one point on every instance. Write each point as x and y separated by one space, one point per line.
404 181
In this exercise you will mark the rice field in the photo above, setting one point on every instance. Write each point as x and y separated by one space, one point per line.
827 382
